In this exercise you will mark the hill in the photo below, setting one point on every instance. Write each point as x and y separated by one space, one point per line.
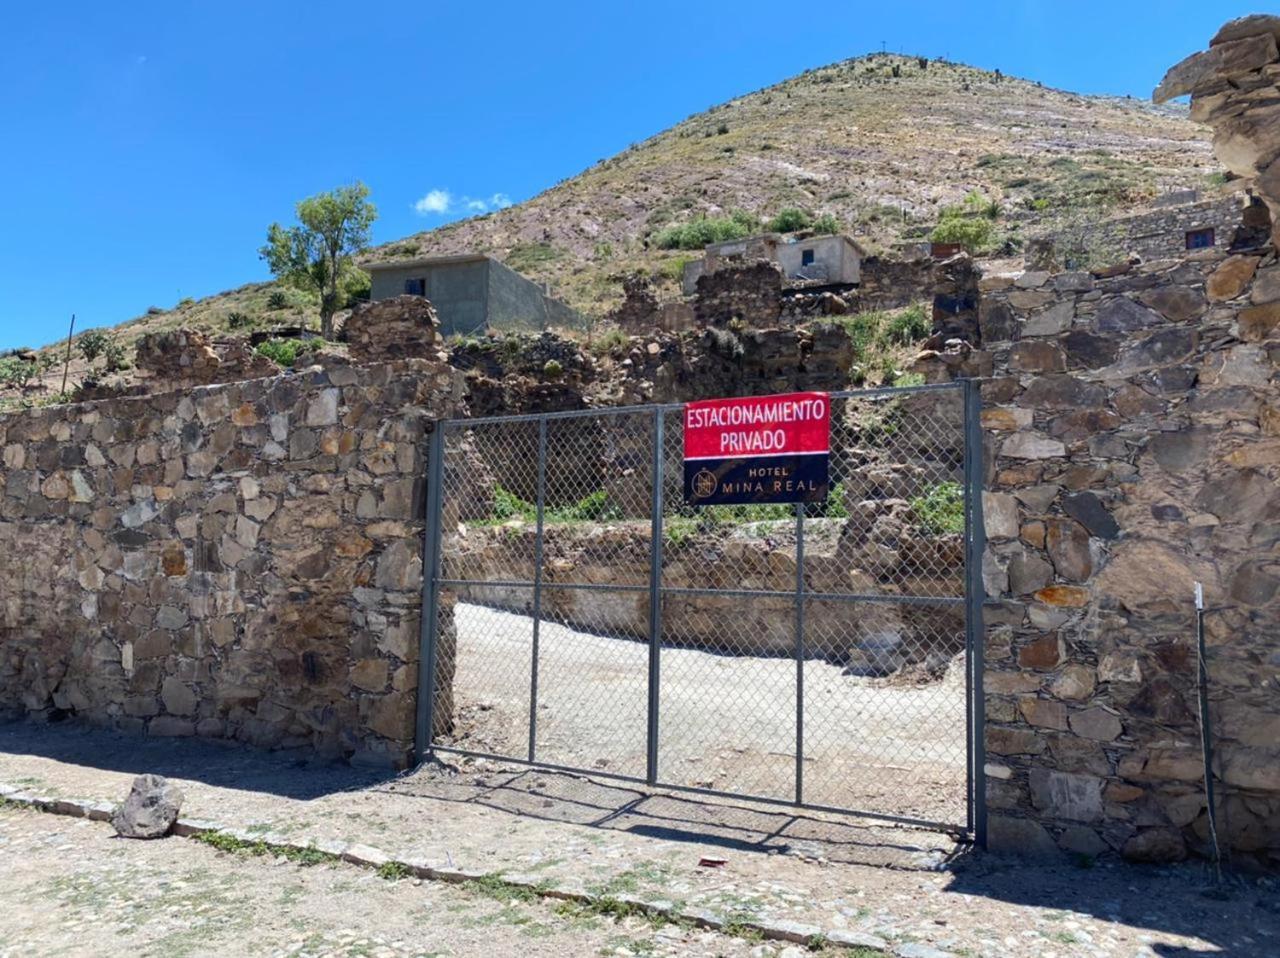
881 143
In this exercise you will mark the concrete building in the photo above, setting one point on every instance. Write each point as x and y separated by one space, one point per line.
817 260
472 292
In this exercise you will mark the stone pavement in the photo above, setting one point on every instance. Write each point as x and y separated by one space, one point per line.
916 892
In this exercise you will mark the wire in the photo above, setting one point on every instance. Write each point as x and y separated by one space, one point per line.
1206 746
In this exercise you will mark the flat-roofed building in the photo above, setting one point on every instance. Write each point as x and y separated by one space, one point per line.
472 292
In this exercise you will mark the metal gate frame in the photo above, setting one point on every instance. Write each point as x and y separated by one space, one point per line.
974 546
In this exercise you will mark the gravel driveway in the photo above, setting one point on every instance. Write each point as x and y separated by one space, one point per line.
726 722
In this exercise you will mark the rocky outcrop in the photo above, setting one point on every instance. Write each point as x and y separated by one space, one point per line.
401 327
1234 88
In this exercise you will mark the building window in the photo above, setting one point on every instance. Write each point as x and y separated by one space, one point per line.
806 257
415 287
1200 239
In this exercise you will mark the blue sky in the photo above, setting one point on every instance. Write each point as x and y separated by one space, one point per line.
149 144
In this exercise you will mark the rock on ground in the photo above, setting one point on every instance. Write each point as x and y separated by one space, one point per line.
150 810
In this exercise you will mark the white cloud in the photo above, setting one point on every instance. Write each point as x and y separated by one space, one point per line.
441 202
437 201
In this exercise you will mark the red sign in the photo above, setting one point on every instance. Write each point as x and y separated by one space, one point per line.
759 426
761 449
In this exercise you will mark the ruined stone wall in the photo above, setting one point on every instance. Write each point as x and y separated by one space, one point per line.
874 551
888 283
748 295
1133 445
398 327
238 561
1154 234
188 357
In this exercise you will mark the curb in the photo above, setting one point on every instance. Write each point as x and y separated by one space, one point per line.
371 858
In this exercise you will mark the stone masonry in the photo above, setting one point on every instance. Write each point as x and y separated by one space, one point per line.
1233 87
238 561
1133 445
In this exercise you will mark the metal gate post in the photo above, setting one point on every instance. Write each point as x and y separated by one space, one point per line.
799 653
429 633
975 590
655 593
537 588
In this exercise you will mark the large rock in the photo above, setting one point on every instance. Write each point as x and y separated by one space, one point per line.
150 810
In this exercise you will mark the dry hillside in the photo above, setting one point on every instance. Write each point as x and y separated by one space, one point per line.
882 143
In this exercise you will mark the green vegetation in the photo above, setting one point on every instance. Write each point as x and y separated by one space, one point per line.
17 372
611 339
971 223
792 219
237 319
529 257
593 507
224 842
940 510
704 231
879 338
317 253
394 871
789 220
96 344
285 352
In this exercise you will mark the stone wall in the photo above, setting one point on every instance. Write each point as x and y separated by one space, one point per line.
1153 234
747 295
399 327
238 561
1133 446
1234 89
877 550
188 357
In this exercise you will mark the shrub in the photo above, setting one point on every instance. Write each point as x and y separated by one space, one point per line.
278 300
92 345
972 233
790 220
185 301
552 369
285 352
611 339
909 326
940 510
238 320
704 231
826 223
16 372
114 357
357 287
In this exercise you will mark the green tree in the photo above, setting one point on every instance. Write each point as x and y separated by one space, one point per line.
318 252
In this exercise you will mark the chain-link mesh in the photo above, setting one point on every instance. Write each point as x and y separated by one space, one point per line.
839 637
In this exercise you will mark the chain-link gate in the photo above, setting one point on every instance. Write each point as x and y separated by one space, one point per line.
823 655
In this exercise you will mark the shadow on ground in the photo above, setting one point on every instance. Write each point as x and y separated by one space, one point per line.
1239 914
225 765
1239 917
720 824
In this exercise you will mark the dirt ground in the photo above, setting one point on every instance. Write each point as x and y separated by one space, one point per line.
906 886
726 722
